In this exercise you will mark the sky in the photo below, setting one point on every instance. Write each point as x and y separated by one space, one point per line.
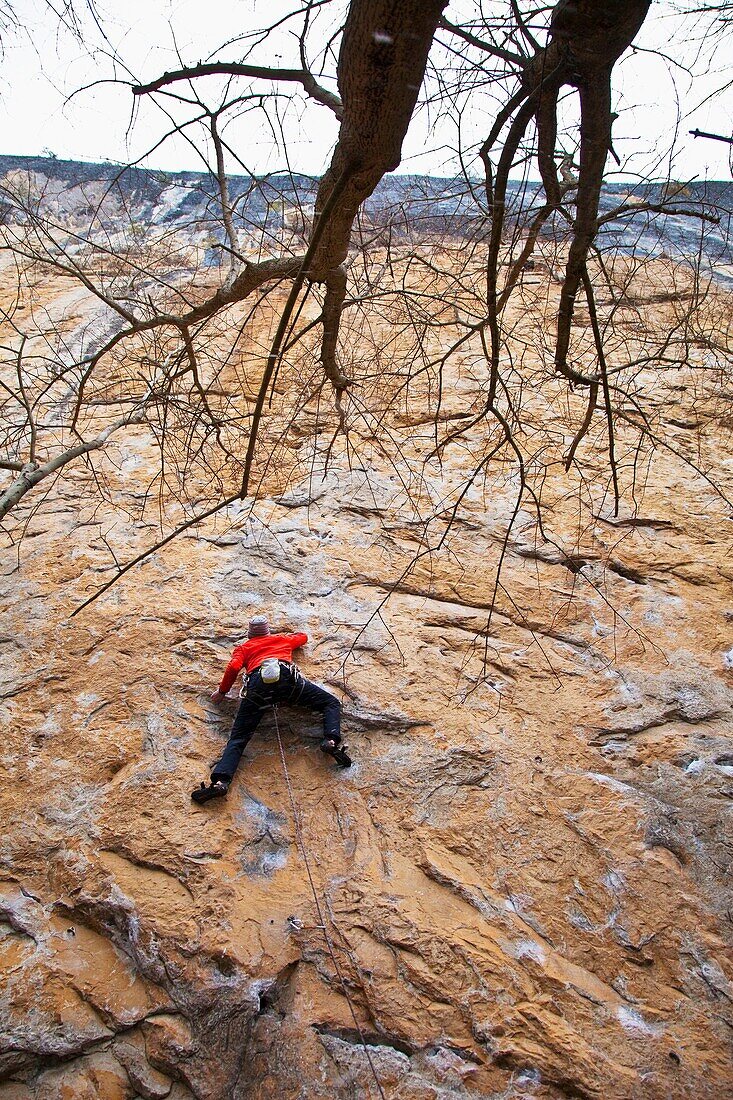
43 65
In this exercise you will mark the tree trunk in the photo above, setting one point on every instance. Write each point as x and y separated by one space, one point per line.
381 66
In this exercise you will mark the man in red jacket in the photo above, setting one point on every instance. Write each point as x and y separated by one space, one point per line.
272 678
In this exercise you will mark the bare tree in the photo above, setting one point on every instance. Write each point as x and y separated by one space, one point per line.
177 342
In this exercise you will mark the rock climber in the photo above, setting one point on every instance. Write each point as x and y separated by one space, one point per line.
272 678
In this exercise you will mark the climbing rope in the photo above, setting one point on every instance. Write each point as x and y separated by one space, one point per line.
319 911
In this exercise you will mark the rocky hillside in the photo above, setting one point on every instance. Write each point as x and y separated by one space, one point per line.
521 889
145 204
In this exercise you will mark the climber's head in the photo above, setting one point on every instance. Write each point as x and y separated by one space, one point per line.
258 627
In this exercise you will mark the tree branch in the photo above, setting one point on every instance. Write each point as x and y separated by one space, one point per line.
221 177
488 47
713 137
257 72
272 359
153 549
31 473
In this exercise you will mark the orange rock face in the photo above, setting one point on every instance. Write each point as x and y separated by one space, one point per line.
522 886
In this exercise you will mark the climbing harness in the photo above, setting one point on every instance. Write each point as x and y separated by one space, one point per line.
319 911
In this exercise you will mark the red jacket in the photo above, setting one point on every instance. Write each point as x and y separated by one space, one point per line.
251 655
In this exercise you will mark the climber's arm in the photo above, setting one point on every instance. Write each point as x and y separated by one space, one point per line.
235 666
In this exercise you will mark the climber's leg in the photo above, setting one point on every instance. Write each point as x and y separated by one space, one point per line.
306 694
246 722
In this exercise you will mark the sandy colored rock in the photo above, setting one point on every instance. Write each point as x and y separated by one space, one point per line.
130 1052
523 884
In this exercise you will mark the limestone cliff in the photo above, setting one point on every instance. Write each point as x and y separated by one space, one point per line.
523 883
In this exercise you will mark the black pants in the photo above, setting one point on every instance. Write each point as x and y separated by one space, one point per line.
292 688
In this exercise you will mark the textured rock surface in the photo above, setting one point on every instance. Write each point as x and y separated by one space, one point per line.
524 881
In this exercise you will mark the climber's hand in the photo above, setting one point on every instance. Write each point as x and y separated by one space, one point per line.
217 696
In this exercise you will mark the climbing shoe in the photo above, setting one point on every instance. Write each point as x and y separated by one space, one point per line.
214 790
338 752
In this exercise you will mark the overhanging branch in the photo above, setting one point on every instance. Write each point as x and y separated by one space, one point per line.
256 72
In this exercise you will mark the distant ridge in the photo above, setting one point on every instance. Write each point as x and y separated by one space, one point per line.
415 207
